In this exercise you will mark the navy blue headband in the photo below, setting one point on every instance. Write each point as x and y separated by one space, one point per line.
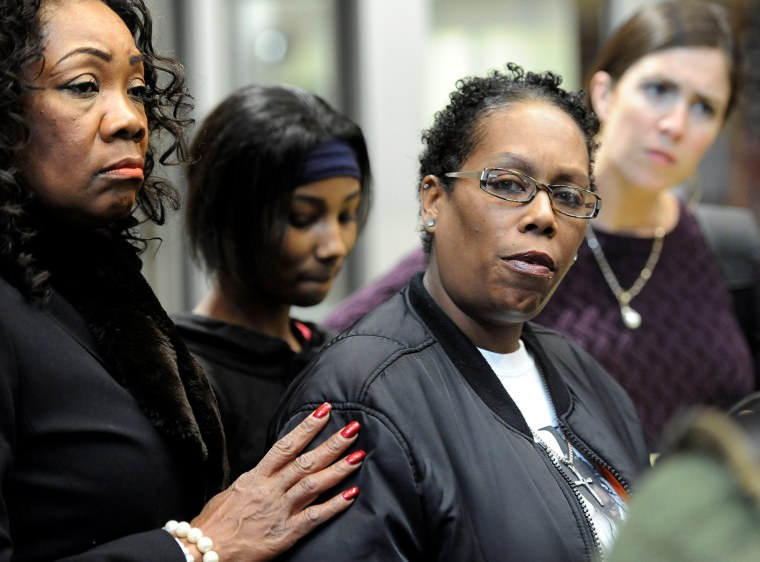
330 159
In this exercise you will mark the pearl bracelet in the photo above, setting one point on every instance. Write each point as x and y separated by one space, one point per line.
183 530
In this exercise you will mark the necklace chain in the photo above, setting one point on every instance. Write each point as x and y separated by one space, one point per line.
570 454
631 318
568 462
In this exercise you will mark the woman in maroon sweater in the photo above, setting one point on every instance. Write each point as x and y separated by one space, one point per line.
646 296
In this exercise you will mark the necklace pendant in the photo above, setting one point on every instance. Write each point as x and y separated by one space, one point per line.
587 483
631 318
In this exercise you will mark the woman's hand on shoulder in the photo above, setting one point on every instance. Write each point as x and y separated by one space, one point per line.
266 510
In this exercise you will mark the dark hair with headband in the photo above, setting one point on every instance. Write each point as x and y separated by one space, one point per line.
249 155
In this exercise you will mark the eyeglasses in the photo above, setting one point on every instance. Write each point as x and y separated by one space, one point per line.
517 187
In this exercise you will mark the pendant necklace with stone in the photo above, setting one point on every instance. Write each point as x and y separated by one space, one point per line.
631 318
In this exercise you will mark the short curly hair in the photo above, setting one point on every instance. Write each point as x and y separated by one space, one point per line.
453 137
167 105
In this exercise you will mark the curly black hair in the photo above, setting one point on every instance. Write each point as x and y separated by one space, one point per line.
167 106
454 134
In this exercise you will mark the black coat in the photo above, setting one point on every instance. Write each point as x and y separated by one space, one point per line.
452 471
249 373
83 472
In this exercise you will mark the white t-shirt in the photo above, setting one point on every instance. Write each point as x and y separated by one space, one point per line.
519 374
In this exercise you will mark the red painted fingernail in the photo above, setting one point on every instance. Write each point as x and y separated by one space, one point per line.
350 430
351 493
323 410
356 458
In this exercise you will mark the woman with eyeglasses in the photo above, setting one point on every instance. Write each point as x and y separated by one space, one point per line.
279 188
489 437
647 297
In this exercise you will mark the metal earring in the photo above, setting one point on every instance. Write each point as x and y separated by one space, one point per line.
430 222
575 259
426 186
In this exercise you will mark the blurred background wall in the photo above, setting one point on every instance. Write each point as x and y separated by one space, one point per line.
390 65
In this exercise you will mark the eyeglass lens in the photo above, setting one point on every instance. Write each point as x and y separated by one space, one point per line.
512 186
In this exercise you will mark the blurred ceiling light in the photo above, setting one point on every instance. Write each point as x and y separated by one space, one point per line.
271 46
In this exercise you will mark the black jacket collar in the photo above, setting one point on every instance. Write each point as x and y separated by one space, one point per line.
476 370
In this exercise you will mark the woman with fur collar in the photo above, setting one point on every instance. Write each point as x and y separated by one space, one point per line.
108 426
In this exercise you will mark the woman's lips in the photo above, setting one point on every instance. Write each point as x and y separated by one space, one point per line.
531 263
129 168
318 277
126 173
661 157
319 280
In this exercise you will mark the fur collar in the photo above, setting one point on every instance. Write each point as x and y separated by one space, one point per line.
99 274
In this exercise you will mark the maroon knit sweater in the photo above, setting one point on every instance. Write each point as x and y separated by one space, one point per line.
689 348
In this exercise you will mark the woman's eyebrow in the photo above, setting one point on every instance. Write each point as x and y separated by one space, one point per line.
93 51
521 164
307 198
98 53
577 178
511 160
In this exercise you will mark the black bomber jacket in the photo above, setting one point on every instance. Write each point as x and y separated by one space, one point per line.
452 471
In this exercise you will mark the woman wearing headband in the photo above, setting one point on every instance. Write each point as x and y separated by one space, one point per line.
278 191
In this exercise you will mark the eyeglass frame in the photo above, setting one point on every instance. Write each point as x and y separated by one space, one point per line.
548 187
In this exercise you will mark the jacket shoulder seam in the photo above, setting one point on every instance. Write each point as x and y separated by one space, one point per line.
383 419
392 358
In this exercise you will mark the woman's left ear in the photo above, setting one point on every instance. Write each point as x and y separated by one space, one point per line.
430 194
601 92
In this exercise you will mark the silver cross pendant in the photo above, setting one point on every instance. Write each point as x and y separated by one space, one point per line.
586 482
